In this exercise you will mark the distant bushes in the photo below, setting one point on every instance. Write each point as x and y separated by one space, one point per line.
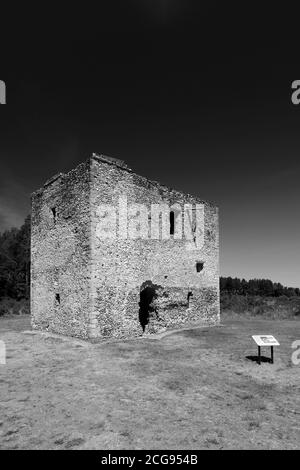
255 305
259 297
9 306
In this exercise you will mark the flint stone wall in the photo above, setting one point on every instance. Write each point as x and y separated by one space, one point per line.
99 281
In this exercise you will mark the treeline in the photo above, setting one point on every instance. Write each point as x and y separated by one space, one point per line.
15 262
261 287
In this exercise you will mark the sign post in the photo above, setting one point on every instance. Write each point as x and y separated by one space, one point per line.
265 340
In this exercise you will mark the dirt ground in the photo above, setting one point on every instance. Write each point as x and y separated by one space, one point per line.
194 389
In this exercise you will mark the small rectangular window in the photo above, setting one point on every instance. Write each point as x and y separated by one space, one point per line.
190 294
54 213
199 266
172 218
57 298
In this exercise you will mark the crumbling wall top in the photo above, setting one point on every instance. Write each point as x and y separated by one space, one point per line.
111 160
123 166
54 178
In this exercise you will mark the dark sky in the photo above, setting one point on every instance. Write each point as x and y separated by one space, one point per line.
195 96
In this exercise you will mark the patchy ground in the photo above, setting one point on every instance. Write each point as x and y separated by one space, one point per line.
193 389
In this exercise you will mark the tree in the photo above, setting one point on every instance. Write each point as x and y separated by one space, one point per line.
262 287
15 262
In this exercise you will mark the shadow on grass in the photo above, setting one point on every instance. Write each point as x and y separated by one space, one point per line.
262 359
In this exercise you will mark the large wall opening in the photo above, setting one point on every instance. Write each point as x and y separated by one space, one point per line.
147 295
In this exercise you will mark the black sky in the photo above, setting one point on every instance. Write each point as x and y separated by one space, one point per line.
197 97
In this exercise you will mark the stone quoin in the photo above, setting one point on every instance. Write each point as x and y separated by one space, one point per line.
89 286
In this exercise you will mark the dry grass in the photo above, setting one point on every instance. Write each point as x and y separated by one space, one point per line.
194 390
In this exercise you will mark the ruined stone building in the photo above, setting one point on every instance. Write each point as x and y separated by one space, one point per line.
103 267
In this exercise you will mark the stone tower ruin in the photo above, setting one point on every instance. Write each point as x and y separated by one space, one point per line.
115 255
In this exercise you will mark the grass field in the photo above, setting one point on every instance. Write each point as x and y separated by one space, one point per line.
194 389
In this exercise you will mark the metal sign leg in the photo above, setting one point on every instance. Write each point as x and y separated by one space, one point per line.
272 355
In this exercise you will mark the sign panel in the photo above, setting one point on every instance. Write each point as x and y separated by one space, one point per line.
265 340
